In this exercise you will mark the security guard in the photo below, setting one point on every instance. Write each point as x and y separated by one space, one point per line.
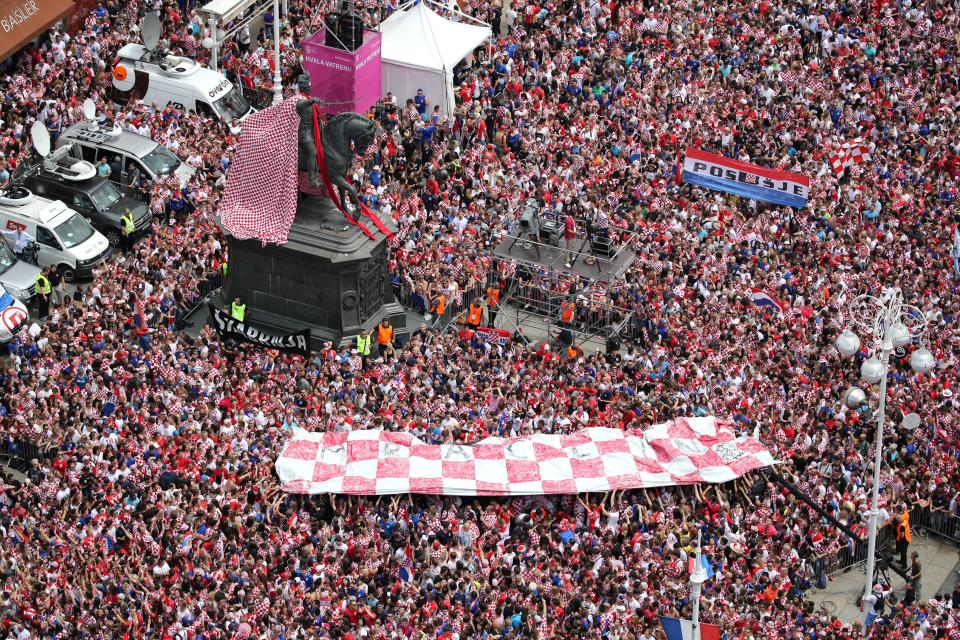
384 336
364 344
903 536
127 229
493 304
43 293
439 305
474 315
238 310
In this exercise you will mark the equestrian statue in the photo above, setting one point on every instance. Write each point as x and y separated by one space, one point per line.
342 137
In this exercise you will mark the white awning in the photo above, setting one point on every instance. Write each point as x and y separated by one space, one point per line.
421 38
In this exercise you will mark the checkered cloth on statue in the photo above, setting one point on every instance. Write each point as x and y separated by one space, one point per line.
261 196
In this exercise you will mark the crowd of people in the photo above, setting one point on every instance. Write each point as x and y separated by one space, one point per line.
157 513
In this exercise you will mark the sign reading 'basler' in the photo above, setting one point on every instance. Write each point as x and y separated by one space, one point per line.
744 179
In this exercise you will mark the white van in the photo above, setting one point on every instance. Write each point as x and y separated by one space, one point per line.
175 81
67 240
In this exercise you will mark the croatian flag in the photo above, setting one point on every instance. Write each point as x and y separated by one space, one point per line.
763 298
677 629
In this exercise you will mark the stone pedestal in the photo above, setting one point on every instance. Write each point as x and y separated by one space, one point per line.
329 277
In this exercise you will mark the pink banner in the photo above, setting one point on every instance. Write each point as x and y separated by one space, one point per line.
344 81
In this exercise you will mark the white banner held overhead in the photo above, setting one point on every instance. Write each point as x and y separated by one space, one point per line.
370 462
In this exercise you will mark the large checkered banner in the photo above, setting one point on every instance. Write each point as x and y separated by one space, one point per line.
744 179
370 462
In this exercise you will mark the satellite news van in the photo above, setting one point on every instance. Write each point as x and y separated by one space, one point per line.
141 72
66 239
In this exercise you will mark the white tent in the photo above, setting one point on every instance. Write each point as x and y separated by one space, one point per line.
420 49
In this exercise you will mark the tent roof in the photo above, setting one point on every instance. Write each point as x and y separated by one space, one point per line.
420 37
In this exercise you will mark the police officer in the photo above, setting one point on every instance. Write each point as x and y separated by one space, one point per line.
238 310
44 289
126 229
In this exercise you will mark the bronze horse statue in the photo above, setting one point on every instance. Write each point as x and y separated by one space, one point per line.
342 136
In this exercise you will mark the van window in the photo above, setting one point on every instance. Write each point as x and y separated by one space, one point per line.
89 153
75 231
105 196
204 109
44 237
161 161
7 259
233 104
81 202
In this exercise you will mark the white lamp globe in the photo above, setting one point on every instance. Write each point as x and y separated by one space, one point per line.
922 361
854 398
871 370
848 343
899 335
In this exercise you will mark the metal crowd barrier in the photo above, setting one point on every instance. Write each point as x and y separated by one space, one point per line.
421 304
213 282
925 520
853 554
18 453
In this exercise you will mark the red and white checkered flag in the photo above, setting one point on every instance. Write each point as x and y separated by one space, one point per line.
371 462
847 155
261 196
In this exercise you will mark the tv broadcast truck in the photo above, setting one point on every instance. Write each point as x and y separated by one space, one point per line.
144 72
176 82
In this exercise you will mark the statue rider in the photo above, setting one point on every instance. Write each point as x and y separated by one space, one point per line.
307 149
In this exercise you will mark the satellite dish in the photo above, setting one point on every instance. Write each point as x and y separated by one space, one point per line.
150 31
16 196
41 138
89 109
911 421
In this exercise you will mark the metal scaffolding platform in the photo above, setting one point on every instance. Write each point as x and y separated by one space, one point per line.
543 282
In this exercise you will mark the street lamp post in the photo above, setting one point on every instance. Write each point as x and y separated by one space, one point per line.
890 325
697 578
277 79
